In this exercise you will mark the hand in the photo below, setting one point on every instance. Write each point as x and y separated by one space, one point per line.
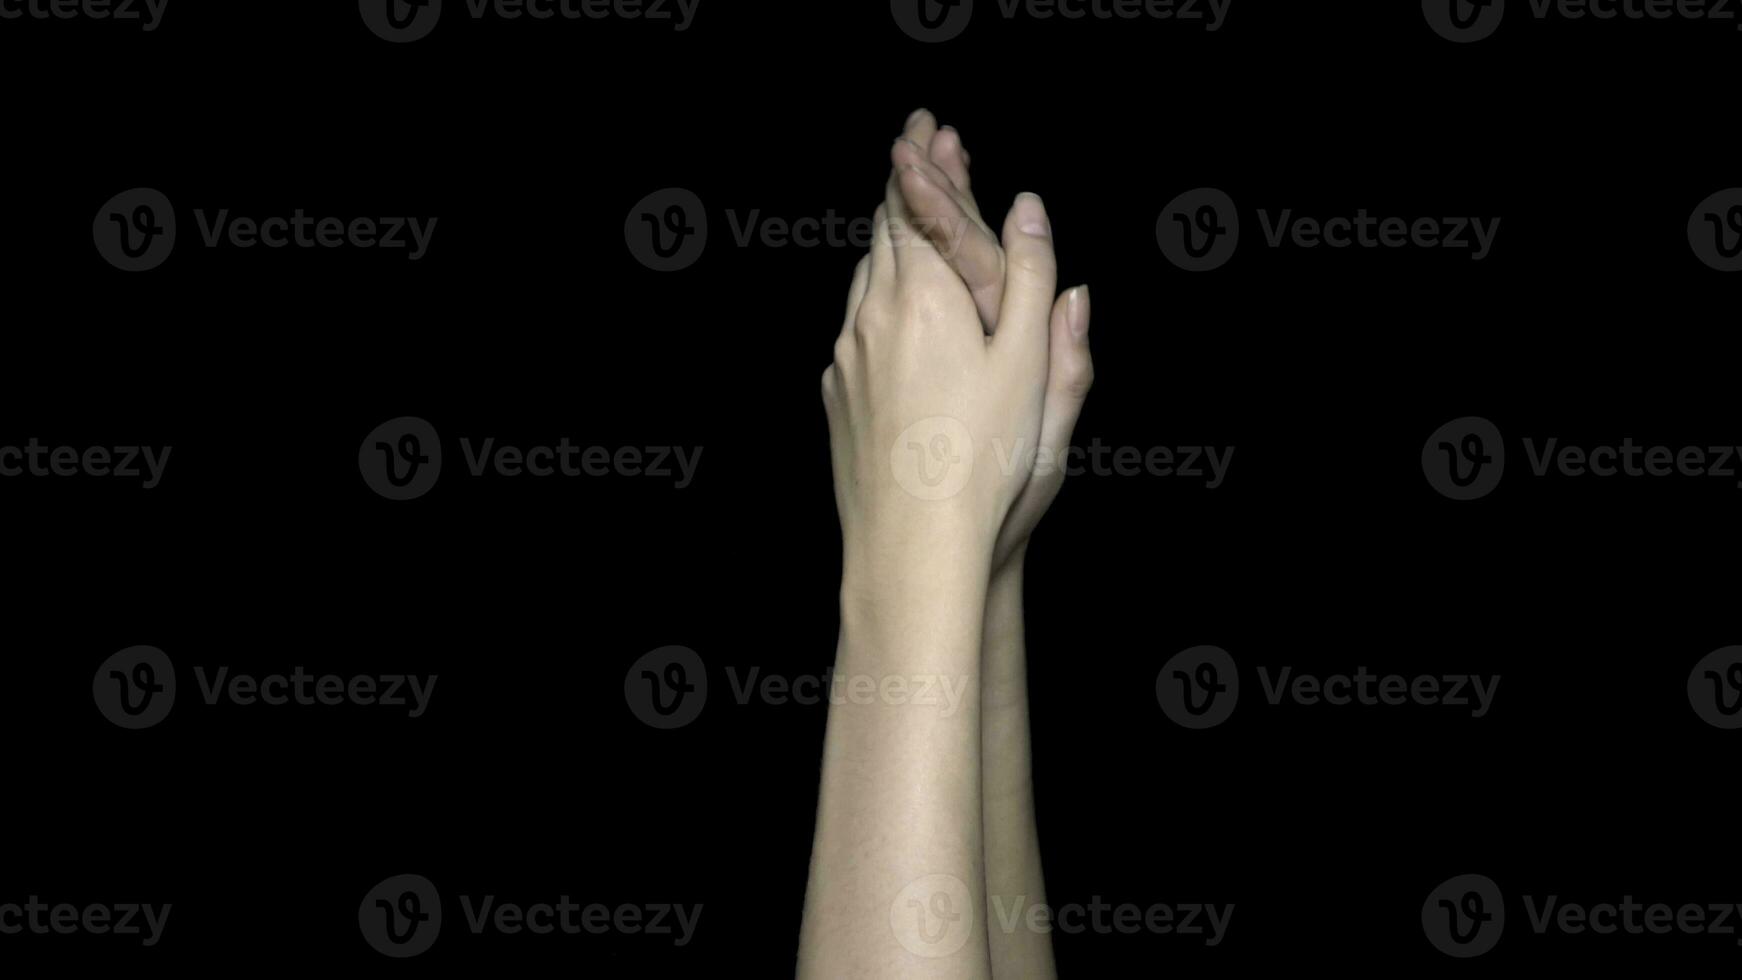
931 166
931 421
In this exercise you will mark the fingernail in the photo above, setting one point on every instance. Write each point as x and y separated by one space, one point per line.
1031 216
1079 312
914 115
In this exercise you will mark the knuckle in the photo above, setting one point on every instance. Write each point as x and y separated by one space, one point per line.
1078 382
875 314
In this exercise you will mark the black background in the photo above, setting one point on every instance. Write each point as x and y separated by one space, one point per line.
530 321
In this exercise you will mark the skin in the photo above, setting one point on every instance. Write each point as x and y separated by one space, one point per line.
943 320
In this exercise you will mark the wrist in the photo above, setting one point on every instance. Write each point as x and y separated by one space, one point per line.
911 579
941 545
1007 573
915 605
1003 662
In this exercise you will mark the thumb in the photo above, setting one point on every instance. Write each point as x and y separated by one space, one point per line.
1070 371
1030 280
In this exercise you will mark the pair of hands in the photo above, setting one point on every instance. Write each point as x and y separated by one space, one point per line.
955 366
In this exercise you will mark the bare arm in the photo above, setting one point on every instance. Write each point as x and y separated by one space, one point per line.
925 412
1014 884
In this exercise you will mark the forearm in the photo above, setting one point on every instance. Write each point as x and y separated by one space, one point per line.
1014 883
900 795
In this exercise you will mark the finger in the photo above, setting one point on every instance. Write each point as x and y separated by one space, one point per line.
847 343
920 127
905 153
1030 280
951 157
882 270
1070 371
856 292
964 242
913 251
